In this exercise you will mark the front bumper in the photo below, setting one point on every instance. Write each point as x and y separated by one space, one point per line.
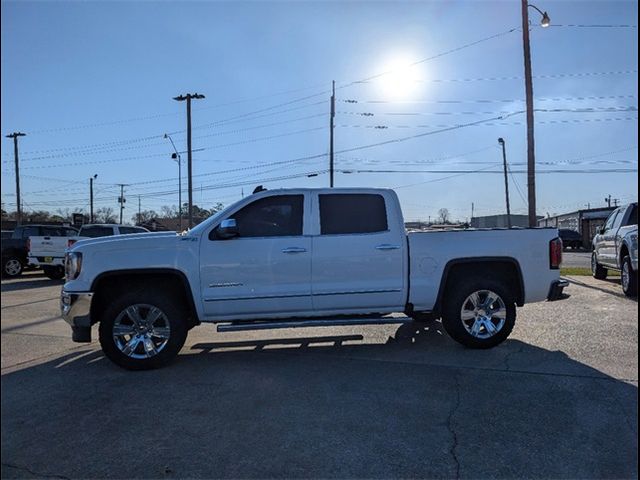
75 308
555 292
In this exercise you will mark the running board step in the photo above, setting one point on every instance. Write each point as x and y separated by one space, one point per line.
310 322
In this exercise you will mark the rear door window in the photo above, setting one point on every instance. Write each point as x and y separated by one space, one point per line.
128 230
346 213
94 232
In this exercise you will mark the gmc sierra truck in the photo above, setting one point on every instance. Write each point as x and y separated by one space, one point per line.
297 258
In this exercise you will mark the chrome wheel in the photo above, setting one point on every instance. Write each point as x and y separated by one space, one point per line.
626 276
483 314
12 267
141 331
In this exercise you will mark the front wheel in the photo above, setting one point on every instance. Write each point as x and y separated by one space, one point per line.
142 330
597 270
479 313
629 278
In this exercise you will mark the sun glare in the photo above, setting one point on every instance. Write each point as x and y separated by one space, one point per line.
401 79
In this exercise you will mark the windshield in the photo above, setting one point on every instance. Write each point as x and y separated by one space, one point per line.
201 227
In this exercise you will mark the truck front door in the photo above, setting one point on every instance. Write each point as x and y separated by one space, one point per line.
266 269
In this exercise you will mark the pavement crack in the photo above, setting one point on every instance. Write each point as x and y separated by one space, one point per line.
35 474
452 431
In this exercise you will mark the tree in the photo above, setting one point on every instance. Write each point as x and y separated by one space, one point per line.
104 215
167 211
144 216
443 216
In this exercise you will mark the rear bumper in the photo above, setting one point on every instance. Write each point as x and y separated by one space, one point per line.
40 261
555 292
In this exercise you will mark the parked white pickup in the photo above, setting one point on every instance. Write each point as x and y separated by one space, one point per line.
48 251
303 257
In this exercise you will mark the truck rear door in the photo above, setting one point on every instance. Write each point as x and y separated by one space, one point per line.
359 253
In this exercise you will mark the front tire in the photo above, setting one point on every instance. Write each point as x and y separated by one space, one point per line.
629 278
479 313
142 330
598 271
11 267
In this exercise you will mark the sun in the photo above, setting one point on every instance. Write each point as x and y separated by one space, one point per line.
401 78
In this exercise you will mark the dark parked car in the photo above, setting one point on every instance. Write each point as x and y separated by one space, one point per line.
570 238
15 248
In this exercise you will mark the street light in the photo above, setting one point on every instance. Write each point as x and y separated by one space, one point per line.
91 179
528 85
176 156
506 180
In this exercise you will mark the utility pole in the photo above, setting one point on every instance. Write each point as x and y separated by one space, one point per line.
15 136
188 98
331 126
528 86
506 180
608 200
472 208
139 210
121 200
91 179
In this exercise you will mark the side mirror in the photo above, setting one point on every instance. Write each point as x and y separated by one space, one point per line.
602 230
228 229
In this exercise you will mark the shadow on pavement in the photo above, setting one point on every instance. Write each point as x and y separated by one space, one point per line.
24 284
416 406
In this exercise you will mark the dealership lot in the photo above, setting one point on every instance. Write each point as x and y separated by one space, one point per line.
557 399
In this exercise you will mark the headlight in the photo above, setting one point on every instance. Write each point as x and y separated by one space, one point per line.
72 265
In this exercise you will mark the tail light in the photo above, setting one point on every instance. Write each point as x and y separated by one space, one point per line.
28 244
555 253
70 243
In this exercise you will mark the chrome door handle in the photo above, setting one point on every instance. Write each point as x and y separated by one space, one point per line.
294 250
386 246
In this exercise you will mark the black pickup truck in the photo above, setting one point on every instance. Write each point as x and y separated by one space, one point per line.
16 249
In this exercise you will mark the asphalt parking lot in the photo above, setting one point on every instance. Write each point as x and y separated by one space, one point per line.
557 400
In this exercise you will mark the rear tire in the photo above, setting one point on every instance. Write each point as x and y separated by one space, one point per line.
11 267
54 273
472 322
143 330
598 271
629 278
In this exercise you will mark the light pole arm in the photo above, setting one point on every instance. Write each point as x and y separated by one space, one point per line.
166 135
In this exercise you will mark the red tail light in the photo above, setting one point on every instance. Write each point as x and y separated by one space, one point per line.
70 243
555 253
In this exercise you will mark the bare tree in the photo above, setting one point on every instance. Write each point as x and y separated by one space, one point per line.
167 211
104 215
144 216
443 216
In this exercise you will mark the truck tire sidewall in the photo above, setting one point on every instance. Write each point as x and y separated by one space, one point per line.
14 264
632 286
54 273
453 304
159 299
597 270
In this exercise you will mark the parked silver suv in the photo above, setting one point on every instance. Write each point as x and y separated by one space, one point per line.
616 247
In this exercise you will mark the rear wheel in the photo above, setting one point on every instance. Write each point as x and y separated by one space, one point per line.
143 330
11 267
629 278
54 273
479 313
597 270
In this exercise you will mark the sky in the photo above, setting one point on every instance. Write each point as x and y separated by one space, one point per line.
423 92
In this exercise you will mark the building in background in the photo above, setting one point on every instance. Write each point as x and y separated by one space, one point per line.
500 221
586 222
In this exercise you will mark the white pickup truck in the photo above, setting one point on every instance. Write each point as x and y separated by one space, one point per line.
616 247
48 251
303 257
